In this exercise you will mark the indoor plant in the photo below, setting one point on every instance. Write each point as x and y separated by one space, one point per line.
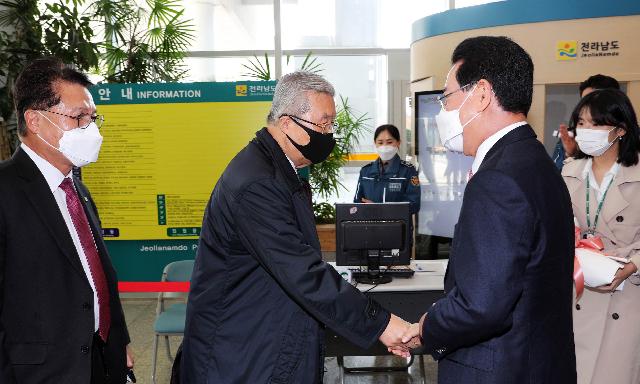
138 44
325 177
143 44
28 31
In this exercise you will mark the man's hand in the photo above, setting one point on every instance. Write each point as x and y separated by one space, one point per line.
622 274
568 142
129 357
392 335
365 200
411 339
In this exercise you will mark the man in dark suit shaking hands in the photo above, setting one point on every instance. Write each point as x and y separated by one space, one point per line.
61 320
506 315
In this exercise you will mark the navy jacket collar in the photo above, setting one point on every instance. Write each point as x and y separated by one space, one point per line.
280 161
391 168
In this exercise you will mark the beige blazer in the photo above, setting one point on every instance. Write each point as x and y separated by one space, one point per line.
607 325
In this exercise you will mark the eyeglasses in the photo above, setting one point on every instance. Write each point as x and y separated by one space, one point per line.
83 119
325 128
443 99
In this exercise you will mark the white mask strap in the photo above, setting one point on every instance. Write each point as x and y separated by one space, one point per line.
55 125
49 120
465 100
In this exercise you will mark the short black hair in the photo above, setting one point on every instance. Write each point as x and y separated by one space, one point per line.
503 63
613 108
35 86
392 129
599 81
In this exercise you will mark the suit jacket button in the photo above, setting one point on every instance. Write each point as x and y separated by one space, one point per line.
578 307
86 306
619 219
84 349
615 316
373 311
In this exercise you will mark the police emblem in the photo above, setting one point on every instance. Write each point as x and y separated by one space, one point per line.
415 181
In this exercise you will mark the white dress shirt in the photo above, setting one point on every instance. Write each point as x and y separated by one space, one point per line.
54 178
292 164
599 189
489 142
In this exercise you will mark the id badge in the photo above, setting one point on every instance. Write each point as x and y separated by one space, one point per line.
395 187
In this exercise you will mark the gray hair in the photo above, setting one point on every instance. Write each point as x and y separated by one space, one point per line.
290 96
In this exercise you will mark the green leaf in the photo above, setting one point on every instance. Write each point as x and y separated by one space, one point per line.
257 70
309 64
162 11
266 60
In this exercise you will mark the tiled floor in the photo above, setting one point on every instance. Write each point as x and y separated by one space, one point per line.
140 314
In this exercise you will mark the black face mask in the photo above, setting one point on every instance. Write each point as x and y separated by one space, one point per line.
319 146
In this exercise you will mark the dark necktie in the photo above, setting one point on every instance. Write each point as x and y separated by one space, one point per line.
88 244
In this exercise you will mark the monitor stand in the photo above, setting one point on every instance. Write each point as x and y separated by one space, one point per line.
374 277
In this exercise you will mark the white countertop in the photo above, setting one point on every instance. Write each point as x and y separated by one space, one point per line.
429 276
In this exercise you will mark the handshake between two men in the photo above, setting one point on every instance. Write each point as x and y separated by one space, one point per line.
401 337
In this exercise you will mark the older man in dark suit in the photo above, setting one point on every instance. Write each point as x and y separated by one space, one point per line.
60 315
506 316
261 295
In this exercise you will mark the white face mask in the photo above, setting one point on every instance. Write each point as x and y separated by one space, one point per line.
593 142
386 152
80 146
450 128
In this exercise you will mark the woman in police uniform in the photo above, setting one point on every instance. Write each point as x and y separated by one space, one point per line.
388 179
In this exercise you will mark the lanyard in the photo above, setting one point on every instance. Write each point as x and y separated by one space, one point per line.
592 230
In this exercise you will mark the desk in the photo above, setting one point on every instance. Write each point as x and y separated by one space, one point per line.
407 298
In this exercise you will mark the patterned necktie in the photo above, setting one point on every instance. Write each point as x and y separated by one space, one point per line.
88 244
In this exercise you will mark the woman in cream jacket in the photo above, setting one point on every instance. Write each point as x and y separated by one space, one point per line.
607 321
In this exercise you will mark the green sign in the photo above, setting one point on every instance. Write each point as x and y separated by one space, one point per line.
158 93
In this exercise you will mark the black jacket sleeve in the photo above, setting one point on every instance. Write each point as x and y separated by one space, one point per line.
268 227
6 372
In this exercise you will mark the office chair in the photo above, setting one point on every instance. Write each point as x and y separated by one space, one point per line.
170 319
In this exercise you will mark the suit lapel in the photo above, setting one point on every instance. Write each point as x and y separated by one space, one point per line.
614 203
576 187
615 200
39 195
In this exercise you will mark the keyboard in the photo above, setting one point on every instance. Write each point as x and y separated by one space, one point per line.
401 273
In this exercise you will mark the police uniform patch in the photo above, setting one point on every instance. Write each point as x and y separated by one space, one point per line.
415 181
407 164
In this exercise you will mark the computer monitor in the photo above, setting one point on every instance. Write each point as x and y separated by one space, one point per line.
373 234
